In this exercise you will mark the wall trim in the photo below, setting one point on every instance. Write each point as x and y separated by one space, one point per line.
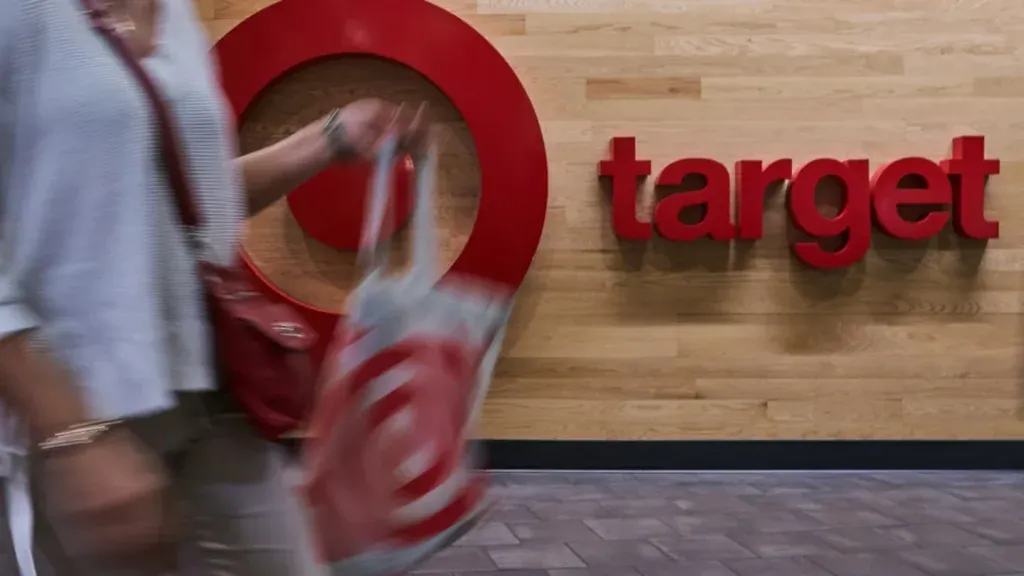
756 454
731 455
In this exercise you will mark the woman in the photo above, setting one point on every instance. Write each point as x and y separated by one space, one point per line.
101 314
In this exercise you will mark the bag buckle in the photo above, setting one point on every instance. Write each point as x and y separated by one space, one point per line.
288 329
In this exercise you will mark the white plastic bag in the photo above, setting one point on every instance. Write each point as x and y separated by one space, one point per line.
390 476
14 477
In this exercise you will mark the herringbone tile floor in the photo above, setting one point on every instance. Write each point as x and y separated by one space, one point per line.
747 524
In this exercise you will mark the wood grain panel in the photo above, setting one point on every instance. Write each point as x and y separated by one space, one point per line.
710 340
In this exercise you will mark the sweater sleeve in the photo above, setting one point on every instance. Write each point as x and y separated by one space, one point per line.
15 317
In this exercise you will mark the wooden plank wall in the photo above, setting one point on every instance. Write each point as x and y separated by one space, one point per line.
703 340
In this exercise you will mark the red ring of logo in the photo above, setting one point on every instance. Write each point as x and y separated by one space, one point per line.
461 63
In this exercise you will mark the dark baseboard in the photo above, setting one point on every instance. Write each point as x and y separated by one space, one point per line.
755 454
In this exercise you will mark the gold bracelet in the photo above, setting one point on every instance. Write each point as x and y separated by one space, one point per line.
78 435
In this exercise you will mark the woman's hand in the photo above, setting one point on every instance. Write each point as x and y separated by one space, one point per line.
353 132
112 495
109 494
363 125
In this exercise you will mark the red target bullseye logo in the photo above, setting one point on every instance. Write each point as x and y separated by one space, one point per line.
462 64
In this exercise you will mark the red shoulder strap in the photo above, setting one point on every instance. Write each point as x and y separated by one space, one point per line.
169 149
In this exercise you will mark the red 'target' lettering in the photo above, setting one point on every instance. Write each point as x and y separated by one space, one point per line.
969 171
716 222
957 183
625 172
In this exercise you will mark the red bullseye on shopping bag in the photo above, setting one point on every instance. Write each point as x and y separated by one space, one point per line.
462 64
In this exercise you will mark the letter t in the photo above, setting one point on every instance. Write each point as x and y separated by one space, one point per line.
969 169
625 170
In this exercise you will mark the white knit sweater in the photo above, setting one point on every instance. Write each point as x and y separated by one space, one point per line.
92 253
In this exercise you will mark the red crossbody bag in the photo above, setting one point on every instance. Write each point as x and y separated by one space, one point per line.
262 347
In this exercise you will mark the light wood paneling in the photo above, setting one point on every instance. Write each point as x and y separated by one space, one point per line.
708 340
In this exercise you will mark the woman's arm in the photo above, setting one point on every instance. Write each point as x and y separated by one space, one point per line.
37 389
276 170
354 131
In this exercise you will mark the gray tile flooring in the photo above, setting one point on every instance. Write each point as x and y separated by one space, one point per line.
746 524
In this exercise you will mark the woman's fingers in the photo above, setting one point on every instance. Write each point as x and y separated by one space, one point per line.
381 118
418 131
409 125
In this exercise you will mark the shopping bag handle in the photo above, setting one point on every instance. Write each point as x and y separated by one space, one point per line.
375 246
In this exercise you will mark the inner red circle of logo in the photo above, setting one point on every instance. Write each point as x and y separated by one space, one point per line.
461 63
331 205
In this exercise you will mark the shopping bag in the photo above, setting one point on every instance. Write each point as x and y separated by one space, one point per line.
390 476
